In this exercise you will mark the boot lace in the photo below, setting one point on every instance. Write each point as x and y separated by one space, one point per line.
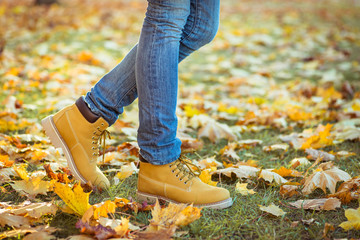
98 139
184 169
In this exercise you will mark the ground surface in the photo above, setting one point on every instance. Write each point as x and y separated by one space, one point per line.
274 69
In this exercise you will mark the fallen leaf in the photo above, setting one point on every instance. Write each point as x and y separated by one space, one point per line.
205 177
289 190
321 138
6 218
74 197
285 172
324 179
315 154
103 209
348 190
273 210
33 186
301 161
172 216
353 219
216 131
243 190
318 204
275 147
270 177
240 171
328 227
34 210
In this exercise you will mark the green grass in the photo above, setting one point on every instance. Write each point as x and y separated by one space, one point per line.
244 220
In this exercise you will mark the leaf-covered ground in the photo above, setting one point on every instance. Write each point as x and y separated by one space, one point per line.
269 110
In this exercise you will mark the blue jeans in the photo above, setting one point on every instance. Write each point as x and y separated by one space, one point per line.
171 31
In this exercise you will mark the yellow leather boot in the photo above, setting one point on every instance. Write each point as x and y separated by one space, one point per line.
178 183
79 140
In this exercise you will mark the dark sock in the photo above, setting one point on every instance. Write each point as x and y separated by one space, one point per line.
85 110
142 159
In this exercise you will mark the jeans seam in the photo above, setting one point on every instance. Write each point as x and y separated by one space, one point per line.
125 95
194 26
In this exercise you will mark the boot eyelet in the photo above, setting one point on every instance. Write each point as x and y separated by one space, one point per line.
95 132
98 128
102 124
93 148
176 175
172 171
94 154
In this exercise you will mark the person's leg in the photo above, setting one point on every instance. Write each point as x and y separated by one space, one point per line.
163 173
156 71
117 88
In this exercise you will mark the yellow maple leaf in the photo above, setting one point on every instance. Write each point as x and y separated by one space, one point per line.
285 172
273 210
75 198
319 139
205 176
243 190
21 171
353 216
190 110
103 209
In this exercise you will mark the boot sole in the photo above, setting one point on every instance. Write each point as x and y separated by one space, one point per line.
150 198
57 140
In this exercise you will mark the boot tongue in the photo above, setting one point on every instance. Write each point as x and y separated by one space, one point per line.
85 110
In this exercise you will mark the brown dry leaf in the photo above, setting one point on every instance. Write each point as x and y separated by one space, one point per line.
328 227
74 197
33 186
275 147
209 163
273 210
324 179
315 154
172 216
42 233
248 143
270 177
348 190
6 218
216 131
289 190
120 226
240 171
80 237
229 151
318 204
189 144
34 210
300 161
